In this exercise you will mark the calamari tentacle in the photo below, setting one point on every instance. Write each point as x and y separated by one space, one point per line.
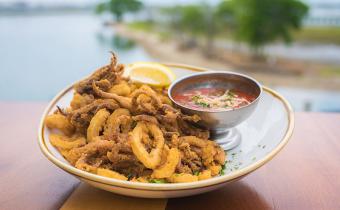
125 102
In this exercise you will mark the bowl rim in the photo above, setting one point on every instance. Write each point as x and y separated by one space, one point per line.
179 80
171 186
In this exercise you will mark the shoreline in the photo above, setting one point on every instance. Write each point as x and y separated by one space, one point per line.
168 51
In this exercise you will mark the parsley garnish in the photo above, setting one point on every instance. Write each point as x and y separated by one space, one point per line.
133 124
129 176
232 94
196 97
158 181
223 168
203 104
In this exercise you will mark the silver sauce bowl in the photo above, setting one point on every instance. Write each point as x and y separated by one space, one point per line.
220 123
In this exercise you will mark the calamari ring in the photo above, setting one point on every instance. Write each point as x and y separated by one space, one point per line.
193 140
118 121
79 100
139 179
190 130
182 177
146 104
206 174
99 148
215 169
118 112
59 121
145 118
165 99
121 89
210 151
97 124
174 140
168 168
150 160
81 117
111 174
121 124
82 164
145 90
64 152
65 142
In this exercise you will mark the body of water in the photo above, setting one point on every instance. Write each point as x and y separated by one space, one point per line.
311 100
321 53
40 55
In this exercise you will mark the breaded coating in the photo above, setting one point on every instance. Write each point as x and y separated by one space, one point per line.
130 131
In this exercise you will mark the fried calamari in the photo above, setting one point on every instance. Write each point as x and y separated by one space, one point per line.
128 131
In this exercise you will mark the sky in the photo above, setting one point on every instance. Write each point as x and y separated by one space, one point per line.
151 2
95 1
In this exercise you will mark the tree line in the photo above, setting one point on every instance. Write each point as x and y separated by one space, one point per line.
253 22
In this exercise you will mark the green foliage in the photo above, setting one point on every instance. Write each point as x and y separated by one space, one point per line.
258 22
197 21
142 25
254 22
188 18
122 43
225 17
325 35
119 7
330 71
100 8
192 19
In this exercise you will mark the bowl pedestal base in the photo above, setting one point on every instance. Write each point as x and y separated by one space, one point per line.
228 139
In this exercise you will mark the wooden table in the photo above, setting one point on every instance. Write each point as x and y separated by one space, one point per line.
305 175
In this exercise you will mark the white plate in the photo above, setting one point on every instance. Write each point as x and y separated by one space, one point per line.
264 134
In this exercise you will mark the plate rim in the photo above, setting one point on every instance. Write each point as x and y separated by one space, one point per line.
171 186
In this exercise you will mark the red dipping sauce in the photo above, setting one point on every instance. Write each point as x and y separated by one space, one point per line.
214 99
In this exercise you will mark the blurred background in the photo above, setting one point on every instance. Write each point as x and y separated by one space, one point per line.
290 45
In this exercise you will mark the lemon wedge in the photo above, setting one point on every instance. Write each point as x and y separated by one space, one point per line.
150 73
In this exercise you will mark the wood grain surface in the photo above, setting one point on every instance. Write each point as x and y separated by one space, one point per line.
86 197
305 175
27 179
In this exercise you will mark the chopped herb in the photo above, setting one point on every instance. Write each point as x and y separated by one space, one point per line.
264 146
203 104
233 154
196 97
235 167
129 176
158 181
223 168
196 173
133 124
